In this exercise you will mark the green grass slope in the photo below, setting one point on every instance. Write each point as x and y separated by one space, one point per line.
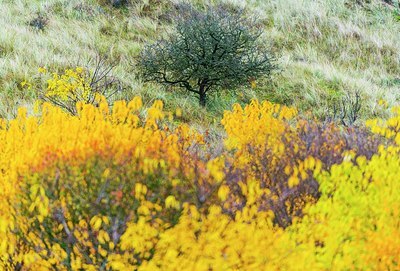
327 49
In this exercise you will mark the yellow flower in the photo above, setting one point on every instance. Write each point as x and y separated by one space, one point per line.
171 202
223 192
42 70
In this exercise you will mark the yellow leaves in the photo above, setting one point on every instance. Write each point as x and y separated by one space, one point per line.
255 124
140 236
175 182
74 83
95 223
171 202
135 104
150 165
287 170
281 148
293 181
143 210
59 251
348 156
42 70
248 243
106 220
178 112
106 173
389 128
117 263
26 85
35 190
302 171
39 202
102 251
154 114
252 191
76 263
140 190
79 70
22 113
318 167
152 222
223 192
82 223
309 163
356 199
215 167
103 237
3 226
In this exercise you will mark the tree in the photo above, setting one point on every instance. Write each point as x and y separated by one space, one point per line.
208 51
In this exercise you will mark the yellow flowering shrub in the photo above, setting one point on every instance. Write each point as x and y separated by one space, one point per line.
85 182
78 84
73 84
283 152
116 188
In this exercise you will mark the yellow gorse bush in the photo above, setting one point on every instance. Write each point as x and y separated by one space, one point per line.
115 188
256 121
36 152
72 84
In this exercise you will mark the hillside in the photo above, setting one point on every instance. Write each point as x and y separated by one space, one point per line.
326 49
103 168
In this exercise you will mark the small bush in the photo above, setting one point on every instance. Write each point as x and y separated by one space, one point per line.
80 84
284 157
119 3
347 110
115 3
39 22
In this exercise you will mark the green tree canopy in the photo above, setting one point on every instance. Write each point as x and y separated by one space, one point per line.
208 51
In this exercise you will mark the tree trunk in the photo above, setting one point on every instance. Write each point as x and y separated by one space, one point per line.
202 94
202 99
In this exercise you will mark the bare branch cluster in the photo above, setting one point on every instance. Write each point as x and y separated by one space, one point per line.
347 111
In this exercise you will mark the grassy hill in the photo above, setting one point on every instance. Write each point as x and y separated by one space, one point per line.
326 49
142 186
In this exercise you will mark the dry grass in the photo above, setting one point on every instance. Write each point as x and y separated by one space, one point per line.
327 48
333 47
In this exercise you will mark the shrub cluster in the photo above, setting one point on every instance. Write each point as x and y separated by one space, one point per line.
117 188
